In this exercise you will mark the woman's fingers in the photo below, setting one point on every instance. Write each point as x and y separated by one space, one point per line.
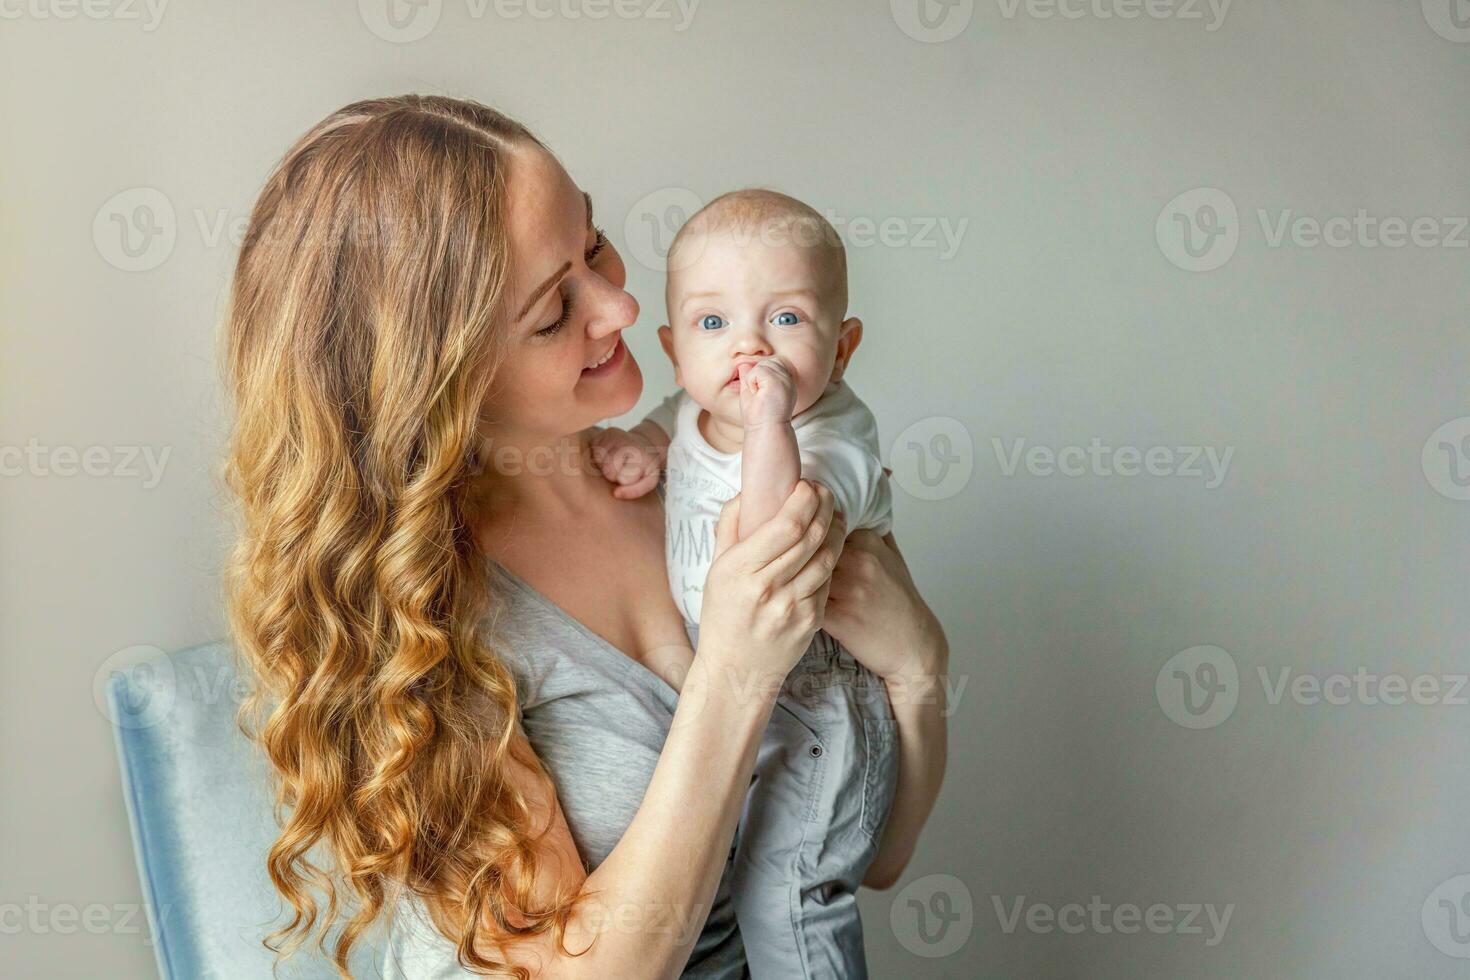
816 575
776 536
783 567
727 527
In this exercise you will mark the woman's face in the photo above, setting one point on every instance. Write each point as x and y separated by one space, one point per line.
566 365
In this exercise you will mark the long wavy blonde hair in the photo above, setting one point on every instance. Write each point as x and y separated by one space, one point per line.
364 331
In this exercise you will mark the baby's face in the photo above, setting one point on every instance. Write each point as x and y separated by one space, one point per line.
735 299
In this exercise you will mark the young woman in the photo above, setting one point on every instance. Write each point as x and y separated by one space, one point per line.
474 688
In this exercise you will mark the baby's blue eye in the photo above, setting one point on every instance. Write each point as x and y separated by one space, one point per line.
785 319
712 321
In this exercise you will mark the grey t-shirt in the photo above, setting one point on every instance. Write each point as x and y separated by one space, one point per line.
598 720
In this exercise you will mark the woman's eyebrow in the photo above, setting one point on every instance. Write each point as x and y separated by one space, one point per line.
540 290
555 277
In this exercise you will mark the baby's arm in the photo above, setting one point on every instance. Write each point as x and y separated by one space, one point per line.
770 462
654 434
659 424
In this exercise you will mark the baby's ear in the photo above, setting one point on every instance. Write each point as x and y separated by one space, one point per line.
666 341
849 335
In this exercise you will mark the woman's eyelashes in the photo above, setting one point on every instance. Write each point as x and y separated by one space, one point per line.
561 321
598 245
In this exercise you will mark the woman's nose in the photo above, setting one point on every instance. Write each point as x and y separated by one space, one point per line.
614 308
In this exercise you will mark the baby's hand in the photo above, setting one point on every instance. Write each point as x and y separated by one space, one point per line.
767 392
628 461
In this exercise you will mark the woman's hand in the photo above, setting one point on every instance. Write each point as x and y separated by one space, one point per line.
874 610
763 600
765 596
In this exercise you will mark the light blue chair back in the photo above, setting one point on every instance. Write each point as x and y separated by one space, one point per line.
199 803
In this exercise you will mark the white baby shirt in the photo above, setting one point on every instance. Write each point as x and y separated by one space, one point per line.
838 441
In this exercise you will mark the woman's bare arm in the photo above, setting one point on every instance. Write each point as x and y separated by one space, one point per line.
923 740
875 611
649 899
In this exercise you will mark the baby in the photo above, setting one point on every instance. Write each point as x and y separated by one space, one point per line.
759 337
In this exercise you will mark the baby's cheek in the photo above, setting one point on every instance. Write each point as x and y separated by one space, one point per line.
811 371
810 397
714 371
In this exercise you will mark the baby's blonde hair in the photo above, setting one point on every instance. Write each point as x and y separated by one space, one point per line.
774 218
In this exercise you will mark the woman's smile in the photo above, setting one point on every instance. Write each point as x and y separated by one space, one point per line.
610 362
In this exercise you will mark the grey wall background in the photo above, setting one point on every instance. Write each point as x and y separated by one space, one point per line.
1063 311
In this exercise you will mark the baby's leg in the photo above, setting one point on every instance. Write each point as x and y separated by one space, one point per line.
771 848
770 462
812 819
